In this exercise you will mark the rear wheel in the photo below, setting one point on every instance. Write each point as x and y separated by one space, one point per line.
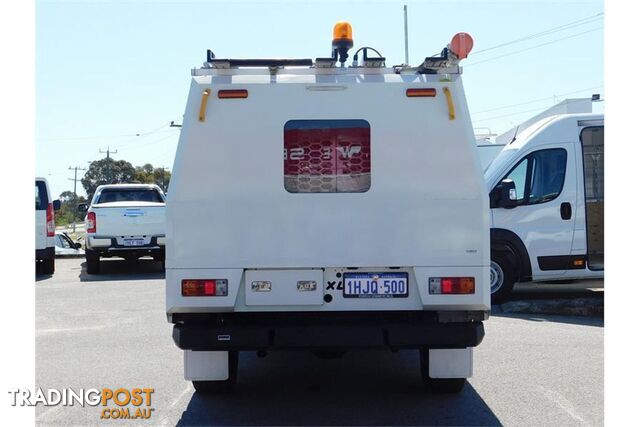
93 262
160 259
502 277
438 385
48 266
224 386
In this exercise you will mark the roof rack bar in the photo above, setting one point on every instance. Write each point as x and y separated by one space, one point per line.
266 62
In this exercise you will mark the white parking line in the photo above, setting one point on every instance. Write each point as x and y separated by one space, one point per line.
563 403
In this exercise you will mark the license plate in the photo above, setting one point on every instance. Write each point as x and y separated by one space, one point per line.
133 242
376 285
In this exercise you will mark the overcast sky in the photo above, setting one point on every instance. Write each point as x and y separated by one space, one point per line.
109 70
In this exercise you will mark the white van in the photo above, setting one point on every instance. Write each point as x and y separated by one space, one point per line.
327 208
45 228
547 203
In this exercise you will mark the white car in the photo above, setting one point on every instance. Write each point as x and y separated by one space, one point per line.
45 227
547 203
126 221
65 246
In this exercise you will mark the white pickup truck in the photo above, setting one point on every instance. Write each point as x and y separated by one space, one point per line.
126 221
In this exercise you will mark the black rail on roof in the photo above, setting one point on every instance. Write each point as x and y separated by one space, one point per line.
266 62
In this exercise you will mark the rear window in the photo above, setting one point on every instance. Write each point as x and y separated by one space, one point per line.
327 156
41 196
130 195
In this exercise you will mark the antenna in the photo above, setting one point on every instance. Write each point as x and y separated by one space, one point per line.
406 37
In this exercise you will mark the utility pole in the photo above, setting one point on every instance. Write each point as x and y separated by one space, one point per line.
75 180
109 178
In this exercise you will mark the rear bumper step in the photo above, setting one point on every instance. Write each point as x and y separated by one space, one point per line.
264 331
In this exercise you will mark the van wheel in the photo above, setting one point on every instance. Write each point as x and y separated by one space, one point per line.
93 262
438 385
502 278
48 266
219 387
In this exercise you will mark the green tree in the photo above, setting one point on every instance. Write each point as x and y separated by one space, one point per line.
144 174
147 174
68 212
107 171
161 178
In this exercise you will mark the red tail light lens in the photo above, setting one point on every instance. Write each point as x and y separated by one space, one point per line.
205 288
423 92
51 225
91 222
233 93
452 285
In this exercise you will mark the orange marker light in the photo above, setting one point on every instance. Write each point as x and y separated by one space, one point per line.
461 45
428 92
342 31
233 93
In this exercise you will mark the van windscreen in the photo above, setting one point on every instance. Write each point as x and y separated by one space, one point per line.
130 195
327 156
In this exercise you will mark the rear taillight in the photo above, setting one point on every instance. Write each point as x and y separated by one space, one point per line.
91 222
452 285
428 92
205 288
233 93
51 225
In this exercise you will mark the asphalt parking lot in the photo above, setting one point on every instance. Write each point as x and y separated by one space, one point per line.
110 330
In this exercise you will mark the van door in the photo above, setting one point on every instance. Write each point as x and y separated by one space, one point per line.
592 142
544 217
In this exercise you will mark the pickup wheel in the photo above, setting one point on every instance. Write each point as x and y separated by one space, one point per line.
220 387
48 266
438 385
502 277
93 262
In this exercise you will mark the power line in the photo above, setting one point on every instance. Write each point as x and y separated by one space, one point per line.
534 47
537 100
580 22
130 135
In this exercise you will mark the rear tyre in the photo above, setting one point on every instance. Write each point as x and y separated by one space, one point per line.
438 385
502 278
93 262
48 266
224 386
160 259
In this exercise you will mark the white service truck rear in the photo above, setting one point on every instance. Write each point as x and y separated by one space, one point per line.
328 208
547 203
125 221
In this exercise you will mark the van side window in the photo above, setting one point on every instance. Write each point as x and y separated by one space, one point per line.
519 177
539 177
547 176
327 156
